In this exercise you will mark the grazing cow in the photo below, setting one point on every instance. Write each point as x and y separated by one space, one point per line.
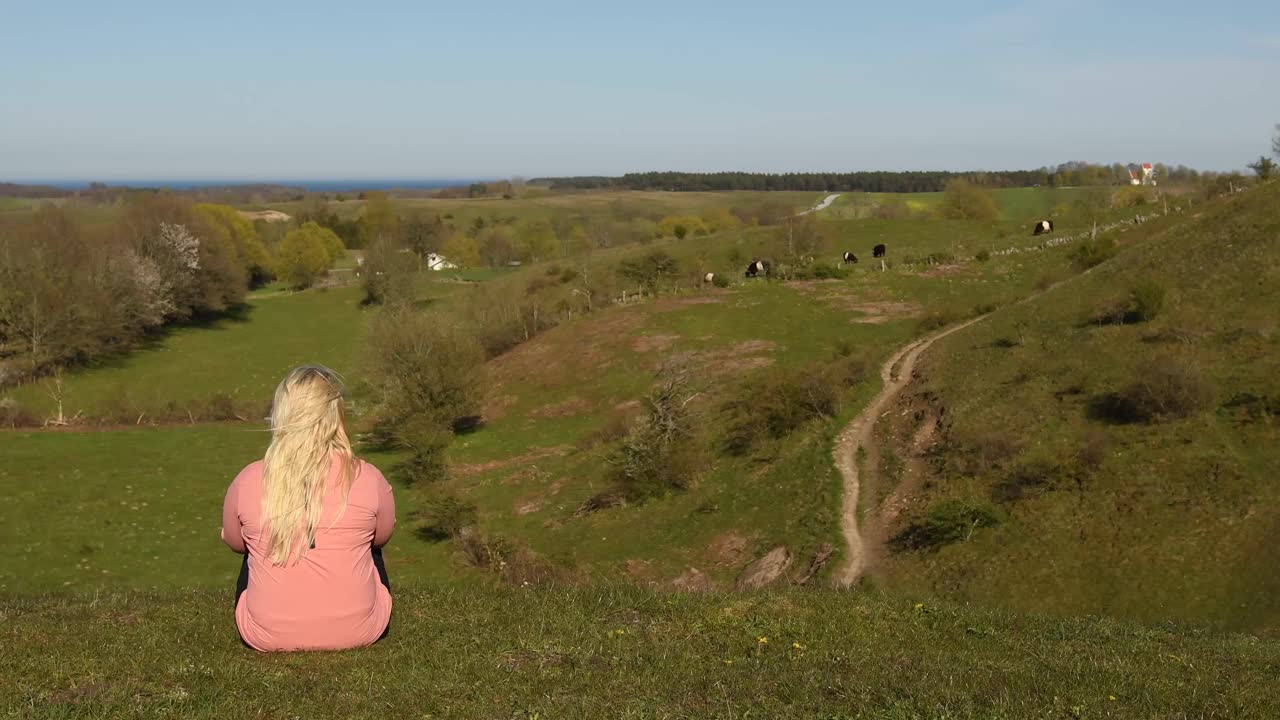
1042 227
709 278
878 251
756 267
850 258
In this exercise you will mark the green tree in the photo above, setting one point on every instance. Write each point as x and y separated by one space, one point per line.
380 219
387 273
461 251
537 241
963 200
1275 142
424 371
1264 168
235 230
303 256
650 270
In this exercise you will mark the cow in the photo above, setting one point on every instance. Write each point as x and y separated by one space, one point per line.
709 278
878 251
850 258
756 267
1042 227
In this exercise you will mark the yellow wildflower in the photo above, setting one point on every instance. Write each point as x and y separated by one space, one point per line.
797 646
762 640
919 606
728 662
1112 698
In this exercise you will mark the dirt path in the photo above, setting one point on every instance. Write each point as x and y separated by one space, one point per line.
826 202
896 373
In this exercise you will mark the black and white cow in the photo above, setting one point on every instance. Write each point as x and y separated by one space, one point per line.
1042 227
756 267
850 258
878 251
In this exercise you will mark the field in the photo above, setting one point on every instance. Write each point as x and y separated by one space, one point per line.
113 529
533 464
627 653
1148 519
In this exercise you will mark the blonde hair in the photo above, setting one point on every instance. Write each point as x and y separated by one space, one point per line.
308 427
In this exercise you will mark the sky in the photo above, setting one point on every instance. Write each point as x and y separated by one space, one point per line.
317 90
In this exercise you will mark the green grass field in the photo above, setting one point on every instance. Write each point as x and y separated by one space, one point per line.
626 653
115 590
1167 519
530 467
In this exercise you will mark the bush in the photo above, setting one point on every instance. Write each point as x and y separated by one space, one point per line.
775 406
963 200
659 454
982 256
947 522
1147 299
447 517
424 373
936 320
974 453
1167 388
650 270
720 281
1090 253
13 415
1030 477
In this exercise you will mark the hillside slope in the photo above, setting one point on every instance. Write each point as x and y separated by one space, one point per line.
627 653
1111 447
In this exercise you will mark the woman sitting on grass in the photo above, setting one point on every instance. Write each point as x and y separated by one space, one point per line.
311 519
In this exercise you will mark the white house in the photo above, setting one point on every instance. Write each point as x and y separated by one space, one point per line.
437 262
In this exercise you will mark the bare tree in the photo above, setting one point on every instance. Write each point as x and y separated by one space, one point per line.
1275 142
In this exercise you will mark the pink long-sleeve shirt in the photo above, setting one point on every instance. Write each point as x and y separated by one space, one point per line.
331 598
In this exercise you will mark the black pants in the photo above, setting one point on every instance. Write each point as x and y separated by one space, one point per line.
242 582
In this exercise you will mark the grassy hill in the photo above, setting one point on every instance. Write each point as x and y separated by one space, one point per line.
1112 445
627 653
542 452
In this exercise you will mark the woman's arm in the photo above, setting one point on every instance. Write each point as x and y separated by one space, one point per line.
385 522
231 534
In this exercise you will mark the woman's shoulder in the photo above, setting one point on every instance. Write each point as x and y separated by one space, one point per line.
250 473
368 472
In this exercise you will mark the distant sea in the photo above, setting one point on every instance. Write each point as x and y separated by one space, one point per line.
309 185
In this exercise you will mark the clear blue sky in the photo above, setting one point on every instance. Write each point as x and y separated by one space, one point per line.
240 90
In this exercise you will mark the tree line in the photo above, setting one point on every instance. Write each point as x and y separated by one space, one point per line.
1064 175
72 289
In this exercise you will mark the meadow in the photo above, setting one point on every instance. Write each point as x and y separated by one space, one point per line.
1099 508
627 653
534 463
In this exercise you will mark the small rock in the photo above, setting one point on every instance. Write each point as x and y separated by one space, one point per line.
765 570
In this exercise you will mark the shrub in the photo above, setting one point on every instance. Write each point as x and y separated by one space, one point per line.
985 308
783 401
1147 300
936 320
1090 253
720 281
1167 388
1027 478
650 270
659 454
973 453
827 271
447 517
982 256
424 373
947 522
13 415
568 275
